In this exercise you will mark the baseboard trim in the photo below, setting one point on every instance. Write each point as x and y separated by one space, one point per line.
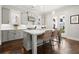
71 38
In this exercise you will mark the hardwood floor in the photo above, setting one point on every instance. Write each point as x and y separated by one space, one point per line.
12 47
67 46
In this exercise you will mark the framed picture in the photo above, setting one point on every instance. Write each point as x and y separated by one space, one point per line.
30 18
74 19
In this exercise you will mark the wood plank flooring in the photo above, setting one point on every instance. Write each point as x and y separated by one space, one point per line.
67 46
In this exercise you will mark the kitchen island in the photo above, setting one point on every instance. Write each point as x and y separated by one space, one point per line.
34 34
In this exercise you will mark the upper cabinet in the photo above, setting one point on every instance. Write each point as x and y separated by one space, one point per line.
0 25
5 15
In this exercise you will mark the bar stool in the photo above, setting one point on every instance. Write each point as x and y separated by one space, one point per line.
56 37
46 38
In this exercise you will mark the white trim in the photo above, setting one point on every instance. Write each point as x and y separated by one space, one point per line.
71 38
0 24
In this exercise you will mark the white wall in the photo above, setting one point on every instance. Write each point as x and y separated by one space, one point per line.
0 25
49 20
71 30
14 13
24 18
43 19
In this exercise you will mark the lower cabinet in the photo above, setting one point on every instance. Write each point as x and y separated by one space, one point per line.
18 34
4 36
11 35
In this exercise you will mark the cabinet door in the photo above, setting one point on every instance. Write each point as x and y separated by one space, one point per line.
27 41
0 24
19 35
5 15
4 36
11 35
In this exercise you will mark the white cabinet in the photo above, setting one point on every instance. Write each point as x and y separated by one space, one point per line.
13 35
5 20
19 34
27 41
4 35
0 24
15 18
5 15
10 16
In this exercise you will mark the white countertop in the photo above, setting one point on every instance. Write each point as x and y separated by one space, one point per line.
11 27
37 32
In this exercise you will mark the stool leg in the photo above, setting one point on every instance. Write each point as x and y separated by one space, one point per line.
22 50
50 43
59 40
43 46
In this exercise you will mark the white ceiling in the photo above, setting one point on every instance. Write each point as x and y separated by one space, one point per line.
47 8
19 7
37 8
